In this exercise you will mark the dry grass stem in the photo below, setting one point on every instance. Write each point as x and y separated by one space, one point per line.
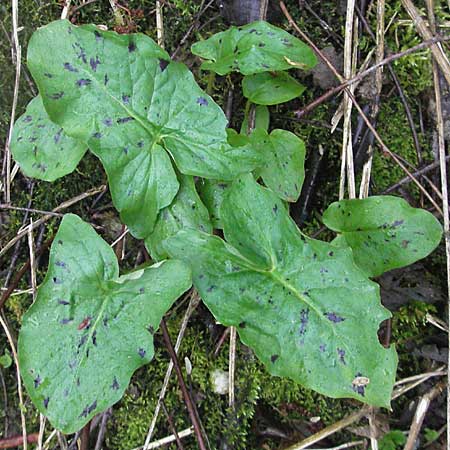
19 381
193 303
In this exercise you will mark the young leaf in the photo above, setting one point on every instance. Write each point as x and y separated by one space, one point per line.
271 88
384 232
185 211
253 48
212 192
122 96
284 168
90 329
41 148
306 309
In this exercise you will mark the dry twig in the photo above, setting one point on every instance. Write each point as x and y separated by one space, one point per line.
422 408
186 395
19 382
44 219
193 303
7 176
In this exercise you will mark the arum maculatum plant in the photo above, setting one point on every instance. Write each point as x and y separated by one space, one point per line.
308 309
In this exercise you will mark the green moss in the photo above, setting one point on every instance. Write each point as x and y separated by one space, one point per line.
394 129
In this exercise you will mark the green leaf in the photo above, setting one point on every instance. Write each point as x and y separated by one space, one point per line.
262 120
89 328
212 192
122 96
284 167
384 232
302 305
253 48
185 211
392 440
41 148
271 88
6 360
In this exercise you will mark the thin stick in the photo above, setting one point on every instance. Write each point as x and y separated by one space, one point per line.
32 210
172 427
102 429
347 149
342 446
438 53
187 398
438 323
18 54
16 441
193 303
422 171
372 428
49 439
331 429
159 24
19 382
168 440
42 421
440 372
232 367
65 11
84 437
44 219
422 408
444 185
32 261
384 147
365 179
15 281
344 84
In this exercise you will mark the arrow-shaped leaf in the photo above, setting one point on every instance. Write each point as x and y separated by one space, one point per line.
303 305
41 147
283 170
384 232
89 328
271 88
253 48
122 96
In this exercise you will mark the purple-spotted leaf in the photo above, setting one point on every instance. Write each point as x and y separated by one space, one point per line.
41 148
305 308
271 88
186 211
89 328
283 170
134 108
384 232
212 192
254 48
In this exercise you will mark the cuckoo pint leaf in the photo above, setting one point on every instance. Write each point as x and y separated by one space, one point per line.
308 312
384 232
41 148
89 328
271 88
283 169
254 48
123 97
186 211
